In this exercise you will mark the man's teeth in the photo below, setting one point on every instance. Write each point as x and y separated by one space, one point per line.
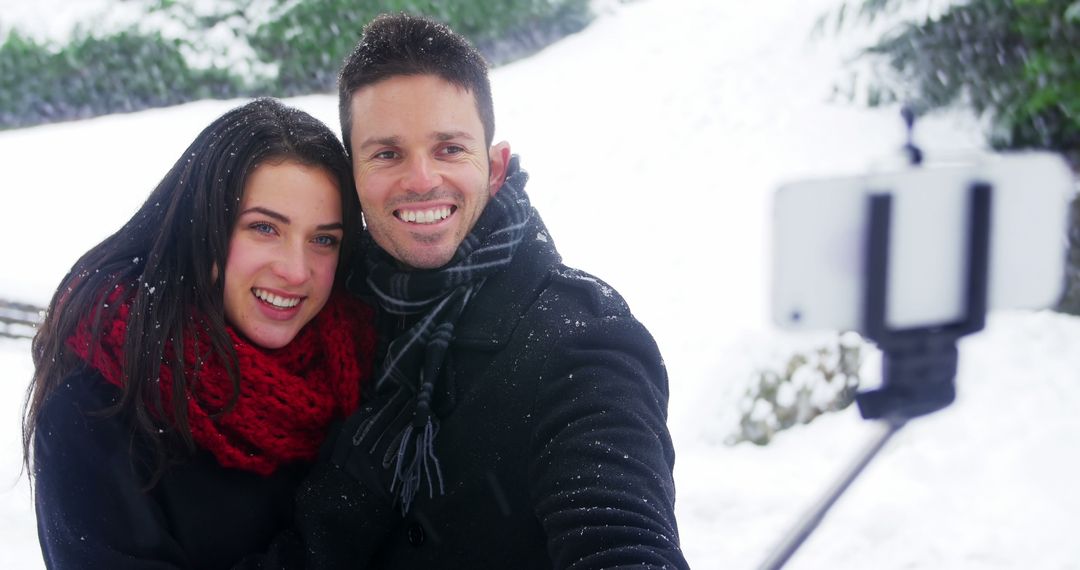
429 216
279 302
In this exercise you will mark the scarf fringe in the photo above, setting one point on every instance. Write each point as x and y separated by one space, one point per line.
414 360
411 469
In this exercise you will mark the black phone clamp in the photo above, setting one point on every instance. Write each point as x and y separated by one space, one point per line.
918 364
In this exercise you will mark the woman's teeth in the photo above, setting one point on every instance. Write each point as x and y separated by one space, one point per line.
275 300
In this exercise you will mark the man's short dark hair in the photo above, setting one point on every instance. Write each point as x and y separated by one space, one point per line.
403 44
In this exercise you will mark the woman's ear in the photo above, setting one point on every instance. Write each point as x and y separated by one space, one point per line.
498 159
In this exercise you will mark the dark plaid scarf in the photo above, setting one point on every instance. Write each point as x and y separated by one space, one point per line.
414 360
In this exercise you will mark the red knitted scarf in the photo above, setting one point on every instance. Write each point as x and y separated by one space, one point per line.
288 396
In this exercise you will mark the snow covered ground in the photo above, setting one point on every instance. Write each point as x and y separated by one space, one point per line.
654 139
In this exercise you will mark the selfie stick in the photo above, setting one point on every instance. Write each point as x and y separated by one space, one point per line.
918 364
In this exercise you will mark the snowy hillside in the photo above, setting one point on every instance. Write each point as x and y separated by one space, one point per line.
653 140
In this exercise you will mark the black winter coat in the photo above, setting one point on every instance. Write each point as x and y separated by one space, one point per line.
553 437
93 512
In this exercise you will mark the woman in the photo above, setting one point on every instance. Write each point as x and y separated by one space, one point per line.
190 365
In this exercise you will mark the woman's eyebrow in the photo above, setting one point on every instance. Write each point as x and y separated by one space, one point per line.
267 212
285 219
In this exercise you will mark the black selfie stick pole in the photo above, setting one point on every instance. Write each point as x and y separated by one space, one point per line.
809 522
918 364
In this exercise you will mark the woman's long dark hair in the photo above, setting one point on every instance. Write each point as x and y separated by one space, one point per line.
165 257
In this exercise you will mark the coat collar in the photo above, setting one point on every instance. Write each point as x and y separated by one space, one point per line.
492 315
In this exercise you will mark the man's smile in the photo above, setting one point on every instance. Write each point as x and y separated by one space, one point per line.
425 215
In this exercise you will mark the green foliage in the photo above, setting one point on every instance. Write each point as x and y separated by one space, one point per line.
1014 62
23 67
1017 62
821 381
90 76
310 40
104 72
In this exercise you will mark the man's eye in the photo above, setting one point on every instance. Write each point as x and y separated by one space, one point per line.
453 149
386 155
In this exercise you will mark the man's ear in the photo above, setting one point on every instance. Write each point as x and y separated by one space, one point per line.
498 159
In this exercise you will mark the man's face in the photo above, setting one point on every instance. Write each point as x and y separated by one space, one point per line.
423 171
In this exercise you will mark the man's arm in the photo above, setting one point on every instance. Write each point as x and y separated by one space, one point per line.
601 473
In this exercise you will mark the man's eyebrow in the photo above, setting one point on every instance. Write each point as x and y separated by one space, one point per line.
381 141
267 212
451 135
440 136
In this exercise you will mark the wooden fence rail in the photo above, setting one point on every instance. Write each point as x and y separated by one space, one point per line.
19 320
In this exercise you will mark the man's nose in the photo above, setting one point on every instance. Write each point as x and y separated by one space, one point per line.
422 175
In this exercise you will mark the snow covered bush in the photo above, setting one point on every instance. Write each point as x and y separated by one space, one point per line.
813 383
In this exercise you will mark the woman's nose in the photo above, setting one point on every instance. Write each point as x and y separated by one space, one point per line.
291 265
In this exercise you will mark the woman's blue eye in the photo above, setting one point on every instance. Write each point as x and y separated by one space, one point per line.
328 241
262 227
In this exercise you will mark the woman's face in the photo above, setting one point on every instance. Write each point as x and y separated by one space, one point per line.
283 251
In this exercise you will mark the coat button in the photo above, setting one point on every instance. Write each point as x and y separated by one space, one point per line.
416 534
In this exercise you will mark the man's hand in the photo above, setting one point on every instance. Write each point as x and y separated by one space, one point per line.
344 508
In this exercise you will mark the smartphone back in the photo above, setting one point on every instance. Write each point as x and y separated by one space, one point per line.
820 229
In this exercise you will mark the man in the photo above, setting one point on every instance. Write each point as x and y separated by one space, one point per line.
518 417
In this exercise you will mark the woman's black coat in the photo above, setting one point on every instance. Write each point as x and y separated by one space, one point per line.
93 510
